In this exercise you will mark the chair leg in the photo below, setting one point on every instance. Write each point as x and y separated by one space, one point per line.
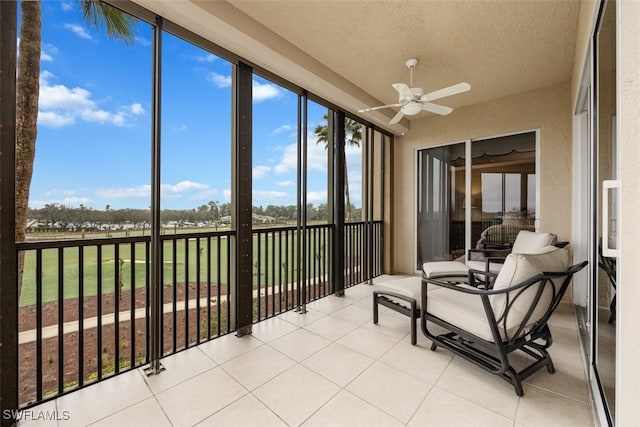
375 309
550 368
414 338
517 384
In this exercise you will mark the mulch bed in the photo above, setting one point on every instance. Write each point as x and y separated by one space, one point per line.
131 348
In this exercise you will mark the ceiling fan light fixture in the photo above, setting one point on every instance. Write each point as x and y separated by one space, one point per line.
412 108
413 100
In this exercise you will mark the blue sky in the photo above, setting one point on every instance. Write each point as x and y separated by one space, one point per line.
94 125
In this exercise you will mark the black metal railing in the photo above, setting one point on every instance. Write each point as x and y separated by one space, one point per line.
85 309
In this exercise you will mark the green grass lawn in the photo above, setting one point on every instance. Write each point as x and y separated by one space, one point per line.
276 259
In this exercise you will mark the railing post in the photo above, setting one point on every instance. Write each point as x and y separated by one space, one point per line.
8 254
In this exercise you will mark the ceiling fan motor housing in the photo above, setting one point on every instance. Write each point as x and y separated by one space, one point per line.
412 108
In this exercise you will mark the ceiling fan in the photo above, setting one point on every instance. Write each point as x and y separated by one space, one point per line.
412 100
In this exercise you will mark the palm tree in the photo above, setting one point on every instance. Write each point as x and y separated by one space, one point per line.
119 26
353 137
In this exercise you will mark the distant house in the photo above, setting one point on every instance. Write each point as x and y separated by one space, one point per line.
262 219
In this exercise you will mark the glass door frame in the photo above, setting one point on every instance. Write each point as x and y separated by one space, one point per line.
587 213
468 179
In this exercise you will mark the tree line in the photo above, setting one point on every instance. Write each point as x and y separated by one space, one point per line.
211 212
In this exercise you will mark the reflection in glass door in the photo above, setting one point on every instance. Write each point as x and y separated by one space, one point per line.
441 204
503 189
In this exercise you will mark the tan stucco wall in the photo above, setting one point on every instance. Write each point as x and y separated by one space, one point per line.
628 314
547 109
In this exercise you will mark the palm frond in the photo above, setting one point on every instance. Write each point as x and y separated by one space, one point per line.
118 25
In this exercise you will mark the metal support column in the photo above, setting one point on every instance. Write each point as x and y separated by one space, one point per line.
371 188
8 255
302 252
155 288
243 155
337 272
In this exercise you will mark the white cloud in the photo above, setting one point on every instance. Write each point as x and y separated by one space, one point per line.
136 109
76 201
54 120
268 195
138 192
66 6
219 80
260 171
67 201
61 106
289 160
60 196
316 158
317 196
142 41
47 53
61 191
179 128
261 91
183 186
226 193
79 31
264 91
285 183
209 57
194 190
283 128
207 194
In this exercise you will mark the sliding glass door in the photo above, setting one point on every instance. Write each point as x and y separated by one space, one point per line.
605 184
474 194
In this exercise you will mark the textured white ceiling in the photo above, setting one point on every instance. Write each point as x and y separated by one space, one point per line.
360 46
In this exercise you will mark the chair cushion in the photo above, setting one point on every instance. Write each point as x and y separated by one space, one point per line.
517 268
528 242
459 309
445 270
410 287
494 267
407 286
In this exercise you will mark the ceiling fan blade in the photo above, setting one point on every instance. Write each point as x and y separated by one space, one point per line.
379 108
435 108
447 91
404 91
396 118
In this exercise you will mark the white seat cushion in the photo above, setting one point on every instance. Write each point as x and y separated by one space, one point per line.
445 270
410 287
407 286
460 309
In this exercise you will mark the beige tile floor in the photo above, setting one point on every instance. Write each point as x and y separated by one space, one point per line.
333 367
